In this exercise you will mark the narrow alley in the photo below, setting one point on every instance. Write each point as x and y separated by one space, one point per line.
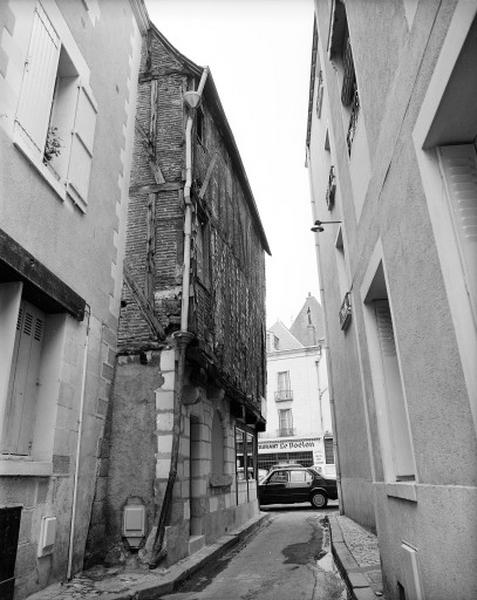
288 558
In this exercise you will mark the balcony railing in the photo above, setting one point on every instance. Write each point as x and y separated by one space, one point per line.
345 311
331 189
353 121
286 432
282 395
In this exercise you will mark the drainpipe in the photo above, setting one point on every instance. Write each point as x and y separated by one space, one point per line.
182 337
326 347
78 448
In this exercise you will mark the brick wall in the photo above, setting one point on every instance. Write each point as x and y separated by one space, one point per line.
227 315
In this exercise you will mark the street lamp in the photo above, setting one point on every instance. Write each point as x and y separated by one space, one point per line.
318 225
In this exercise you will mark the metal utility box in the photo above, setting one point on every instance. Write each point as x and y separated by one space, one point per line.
134 519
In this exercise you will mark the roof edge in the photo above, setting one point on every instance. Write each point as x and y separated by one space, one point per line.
212 96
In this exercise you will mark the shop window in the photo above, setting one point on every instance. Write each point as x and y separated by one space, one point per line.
56 115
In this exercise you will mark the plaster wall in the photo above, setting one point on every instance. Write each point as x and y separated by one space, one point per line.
85 250
305 388
394 69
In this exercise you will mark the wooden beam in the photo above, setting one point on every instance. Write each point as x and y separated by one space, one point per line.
42 282
153 188
144 304
208 175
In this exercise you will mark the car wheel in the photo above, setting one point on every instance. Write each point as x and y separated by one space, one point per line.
319 500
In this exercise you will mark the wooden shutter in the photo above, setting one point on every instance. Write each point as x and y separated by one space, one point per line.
459 169
38 83
401 438
82 148
23 386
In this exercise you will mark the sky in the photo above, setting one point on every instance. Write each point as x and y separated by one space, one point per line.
259 53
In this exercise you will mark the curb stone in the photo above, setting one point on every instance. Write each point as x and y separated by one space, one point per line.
353 574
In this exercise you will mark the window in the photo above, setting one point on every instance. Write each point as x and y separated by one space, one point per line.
217 445
389 392
22 393
273 342
279 477
340 51
459 170
56 115
199 123
329 453
285 422
300 477
32 347
203 251
319 94
284 391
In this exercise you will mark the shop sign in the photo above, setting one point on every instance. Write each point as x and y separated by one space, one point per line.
286 445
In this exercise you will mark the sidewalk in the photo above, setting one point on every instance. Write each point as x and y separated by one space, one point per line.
356 554
126 583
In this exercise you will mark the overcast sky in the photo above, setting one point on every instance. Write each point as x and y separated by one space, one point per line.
259 53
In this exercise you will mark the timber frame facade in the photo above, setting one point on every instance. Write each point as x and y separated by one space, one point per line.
190 376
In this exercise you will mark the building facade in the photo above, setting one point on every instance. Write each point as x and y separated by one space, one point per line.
68 77
190 375
391 151
298 412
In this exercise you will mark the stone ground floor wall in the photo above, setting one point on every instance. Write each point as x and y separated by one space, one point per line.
51 495
357 500
436 530
206 502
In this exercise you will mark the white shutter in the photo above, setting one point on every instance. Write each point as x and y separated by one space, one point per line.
38 83
459 169
23 386
400 434
82 148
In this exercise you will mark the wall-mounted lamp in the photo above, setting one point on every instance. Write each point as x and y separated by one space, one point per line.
318 225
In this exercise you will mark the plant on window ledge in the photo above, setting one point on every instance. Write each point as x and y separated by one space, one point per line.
52 145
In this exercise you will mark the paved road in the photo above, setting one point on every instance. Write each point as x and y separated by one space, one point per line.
288 559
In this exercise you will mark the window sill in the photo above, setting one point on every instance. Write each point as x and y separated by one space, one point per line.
26 467
404 491
44 171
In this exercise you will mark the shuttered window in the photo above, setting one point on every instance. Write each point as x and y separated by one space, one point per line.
82 148
41 64
56 116
23 385
459 169
399 429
